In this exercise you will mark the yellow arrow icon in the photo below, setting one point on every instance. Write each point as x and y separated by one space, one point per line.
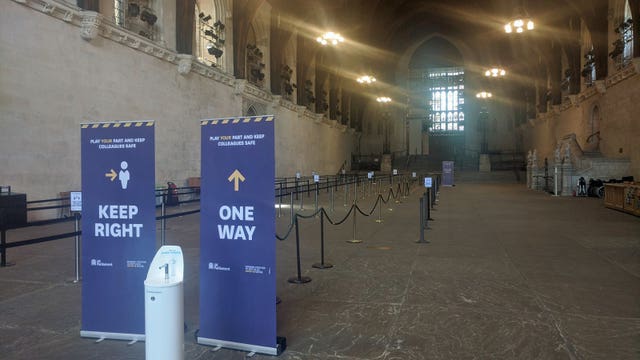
236 177
112 174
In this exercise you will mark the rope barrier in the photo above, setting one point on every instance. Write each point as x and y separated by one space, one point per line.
294 224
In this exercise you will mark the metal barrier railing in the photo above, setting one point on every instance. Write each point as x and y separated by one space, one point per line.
283 189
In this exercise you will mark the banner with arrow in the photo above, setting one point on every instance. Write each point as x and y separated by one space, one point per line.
237 229
118 226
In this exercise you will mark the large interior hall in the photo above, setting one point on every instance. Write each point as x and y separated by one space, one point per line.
523 113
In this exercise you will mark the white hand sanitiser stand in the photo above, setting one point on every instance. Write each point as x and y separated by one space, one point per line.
164 305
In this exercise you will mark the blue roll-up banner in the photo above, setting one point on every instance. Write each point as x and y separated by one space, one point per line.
237 234
447 173
118 226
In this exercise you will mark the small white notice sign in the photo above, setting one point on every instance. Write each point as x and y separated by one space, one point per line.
427 182
75 199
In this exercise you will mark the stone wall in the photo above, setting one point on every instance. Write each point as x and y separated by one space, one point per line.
616 119
52 80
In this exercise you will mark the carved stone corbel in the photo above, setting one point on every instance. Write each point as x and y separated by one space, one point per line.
184 63
601 86
90 25
574 100
239 87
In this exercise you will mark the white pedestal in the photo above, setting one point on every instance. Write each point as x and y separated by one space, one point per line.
164 305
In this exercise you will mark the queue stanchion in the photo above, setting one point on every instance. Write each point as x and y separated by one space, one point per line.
298 279
280 202
291 206
346 193
379 220
301 202
308 189
332 199
354 239
428 201
422 222
77 247
163 224
355 191
3 247
322 264
296 183
316 201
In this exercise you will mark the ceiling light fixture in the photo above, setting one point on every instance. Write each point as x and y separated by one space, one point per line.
383 99
330 38
483 95
520 22
366 79
495 72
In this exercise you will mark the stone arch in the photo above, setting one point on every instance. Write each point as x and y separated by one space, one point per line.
253 109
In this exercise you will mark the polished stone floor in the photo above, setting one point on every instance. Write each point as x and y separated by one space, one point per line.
508 273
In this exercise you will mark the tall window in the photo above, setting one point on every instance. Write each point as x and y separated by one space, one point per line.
210 36
446 101
622 52
138 16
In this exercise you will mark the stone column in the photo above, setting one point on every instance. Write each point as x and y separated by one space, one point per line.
529 183
567 172
536 181
567 181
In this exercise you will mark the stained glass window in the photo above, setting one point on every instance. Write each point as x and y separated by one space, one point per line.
446 100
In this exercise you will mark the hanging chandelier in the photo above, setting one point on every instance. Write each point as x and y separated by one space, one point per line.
366 79
330 38
495 72
383 99
520 22
484 95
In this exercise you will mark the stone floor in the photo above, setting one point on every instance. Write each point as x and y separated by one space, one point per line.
509 273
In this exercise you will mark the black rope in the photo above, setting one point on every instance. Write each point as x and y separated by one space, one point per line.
42 239
47 200
362 212
178 214
287 235
341 221
46 222
309 216
48 207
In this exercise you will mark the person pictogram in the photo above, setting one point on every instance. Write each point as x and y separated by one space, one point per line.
123 175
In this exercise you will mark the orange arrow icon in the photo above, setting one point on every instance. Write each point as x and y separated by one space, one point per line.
236 177
112 174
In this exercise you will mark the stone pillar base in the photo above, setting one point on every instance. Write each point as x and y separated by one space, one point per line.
385 163
567 180
485 163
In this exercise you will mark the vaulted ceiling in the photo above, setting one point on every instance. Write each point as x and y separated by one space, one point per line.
380 32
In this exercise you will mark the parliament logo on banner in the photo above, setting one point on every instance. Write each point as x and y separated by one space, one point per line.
237 234
118 226
447 173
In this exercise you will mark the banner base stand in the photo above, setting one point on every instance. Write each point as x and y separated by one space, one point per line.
244 347
322 265
112 336
299 280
